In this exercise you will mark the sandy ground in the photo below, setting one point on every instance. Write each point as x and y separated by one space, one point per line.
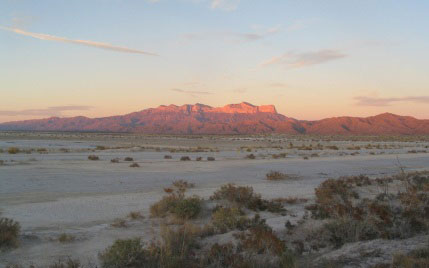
57 192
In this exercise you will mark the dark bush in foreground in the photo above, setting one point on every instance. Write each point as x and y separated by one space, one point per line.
9 232
93 157
134 165
225 219
126 253
128 159
69 263
418 258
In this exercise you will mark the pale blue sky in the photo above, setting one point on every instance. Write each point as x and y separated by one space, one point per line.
312 59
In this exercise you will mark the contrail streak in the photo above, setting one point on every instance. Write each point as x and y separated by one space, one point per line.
78 42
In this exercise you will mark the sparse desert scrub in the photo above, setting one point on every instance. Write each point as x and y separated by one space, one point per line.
225 219
211 158
68 263
185 158
175 203
128 159
199 158
1 162
126 253
243 196
66 238
277 175
182 184
13 150
134 165
291 200
174 250
114 160
418 258
135 215
281 155
119 223
388 216
93 158
9 232
168 157
42 150
100 147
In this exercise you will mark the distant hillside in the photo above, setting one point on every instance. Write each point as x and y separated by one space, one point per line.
243 118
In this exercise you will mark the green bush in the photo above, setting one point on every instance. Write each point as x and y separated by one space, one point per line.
126 253
225 219
9 232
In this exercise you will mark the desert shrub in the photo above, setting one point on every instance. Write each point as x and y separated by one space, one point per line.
185 158
291 200
13 150
100 147
187 208
243 196
341 231
280 155
135 215
333 198
332 147
250 156
69 263
211 158
260 239
9 232
126 253
225 219
119 223
177 204
93 158
134 165
224 255
42 150
1 162
182 184
128 159
66 238
168 157
199 158
277 175
114 160
305 158
418 258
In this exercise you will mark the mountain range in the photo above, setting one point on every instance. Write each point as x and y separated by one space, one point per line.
243 118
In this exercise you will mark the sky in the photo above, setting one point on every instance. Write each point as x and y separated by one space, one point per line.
312 59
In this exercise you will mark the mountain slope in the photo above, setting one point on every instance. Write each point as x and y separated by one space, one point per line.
243 118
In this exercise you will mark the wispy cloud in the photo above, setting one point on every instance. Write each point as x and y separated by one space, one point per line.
191 92
50 111
298 60
227 5
77 42
376 101
234 36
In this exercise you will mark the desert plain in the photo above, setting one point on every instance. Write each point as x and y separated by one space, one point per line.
52 188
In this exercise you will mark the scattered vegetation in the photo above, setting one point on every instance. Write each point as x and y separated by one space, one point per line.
13 150
168 157
250 156
134 165
243 196
175 203
135 215
9 232
277 175
211 158
119 223
185 158
66 238
93 158
114 160
128 159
